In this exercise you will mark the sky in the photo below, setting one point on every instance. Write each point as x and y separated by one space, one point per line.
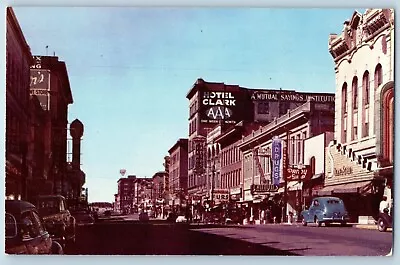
131 68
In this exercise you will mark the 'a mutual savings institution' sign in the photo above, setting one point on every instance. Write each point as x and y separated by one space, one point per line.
276 156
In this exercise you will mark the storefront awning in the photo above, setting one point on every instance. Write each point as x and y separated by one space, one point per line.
354 187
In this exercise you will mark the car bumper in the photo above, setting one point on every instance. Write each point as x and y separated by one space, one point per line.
335 219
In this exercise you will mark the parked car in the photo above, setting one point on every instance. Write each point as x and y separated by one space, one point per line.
107 213
143 216
83 217
25 232
385 220
325 210
58 220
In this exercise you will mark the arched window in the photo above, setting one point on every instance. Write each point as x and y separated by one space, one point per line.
378 76
365 85
365 109
354 88
312 165
344 112
388 125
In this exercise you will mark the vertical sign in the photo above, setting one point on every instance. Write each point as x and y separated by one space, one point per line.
276 159
39 86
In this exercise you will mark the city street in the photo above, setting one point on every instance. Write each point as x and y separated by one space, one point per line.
157 237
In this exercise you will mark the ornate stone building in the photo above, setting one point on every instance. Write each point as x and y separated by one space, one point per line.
360 161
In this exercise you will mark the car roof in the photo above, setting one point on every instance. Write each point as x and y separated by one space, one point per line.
327 198
17 207
50 196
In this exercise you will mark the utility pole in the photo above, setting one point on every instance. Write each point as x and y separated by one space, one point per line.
285 174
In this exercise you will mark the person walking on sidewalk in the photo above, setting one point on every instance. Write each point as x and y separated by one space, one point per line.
384 205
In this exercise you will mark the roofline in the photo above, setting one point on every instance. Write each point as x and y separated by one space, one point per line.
14 22
180 141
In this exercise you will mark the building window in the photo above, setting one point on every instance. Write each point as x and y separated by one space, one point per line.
344 98
283 107
312 165
378 76
355 132
355 92
366 87
293 150
263 107
299 159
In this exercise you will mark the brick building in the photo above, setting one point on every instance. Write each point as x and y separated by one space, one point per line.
178 171
159 192
360 161
126 196
262 175
18 60
50 84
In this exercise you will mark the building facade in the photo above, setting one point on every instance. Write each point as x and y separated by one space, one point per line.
178 171
126 196
314 156
273 157
360 161
228 181
50 84
18 60
211 104
159 193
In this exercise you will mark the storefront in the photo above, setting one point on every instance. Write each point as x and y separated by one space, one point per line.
350 178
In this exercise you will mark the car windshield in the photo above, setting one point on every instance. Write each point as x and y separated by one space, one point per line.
11 226
48 206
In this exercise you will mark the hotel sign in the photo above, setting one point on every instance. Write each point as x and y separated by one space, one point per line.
218 105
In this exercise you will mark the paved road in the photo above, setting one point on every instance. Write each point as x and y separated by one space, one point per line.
161 238
312 240
134 238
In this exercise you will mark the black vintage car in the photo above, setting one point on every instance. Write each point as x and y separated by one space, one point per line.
385 220
58 220
25 232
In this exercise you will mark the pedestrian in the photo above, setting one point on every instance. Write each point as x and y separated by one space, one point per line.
268 217
384 205
262 216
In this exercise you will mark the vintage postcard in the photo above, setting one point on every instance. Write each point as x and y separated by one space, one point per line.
199 131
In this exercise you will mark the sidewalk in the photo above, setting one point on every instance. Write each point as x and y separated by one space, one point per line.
356 225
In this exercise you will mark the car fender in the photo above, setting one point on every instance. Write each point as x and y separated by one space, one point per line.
56 248
305 215
319 214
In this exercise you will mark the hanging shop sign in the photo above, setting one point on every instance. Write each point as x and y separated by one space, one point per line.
263 188
295 173
40 86
276 156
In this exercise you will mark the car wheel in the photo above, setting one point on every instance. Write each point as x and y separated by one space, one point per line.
317 222
343 223
327 224
303 221
382 225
